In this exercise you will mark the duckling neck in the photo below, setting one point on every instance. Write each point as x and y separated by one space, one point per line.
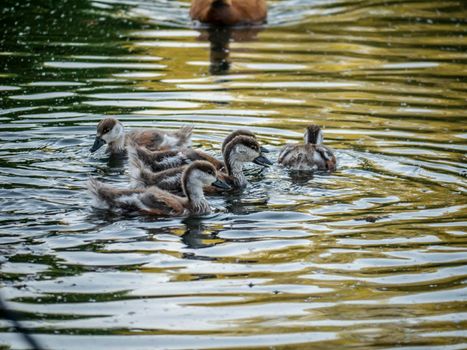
117 146
235 170
196 200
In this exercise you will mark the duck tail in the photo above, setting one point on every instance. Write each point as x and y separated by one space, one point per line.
95 189
184 135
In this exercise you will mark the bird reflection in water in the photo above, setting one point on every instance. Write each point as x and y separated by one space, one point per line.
220 39
197 235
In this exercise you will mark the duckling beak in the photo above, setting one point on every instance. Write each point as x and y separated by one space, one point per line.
262 160
263 149
98 143
221 184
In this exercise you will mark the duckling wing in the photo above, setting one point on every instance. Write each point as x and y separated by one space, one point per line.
161 160
284 152
200 155
299 157
292 155
158 202
152 139
158 140
171 181
328 157
107 197
148 157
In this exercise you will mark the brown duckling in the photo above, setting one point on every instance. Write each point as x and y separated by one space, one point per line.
110 131
310 156
155 201
240 150
162 160
229 12
241 132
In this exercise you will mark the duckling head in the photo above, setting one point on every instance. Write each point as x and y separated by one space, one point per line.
313 135
108 130
199 174
244 149
240 132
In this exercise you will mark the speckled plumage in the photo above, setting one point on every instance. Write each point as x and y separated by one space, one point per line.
162 160
240 150
310 156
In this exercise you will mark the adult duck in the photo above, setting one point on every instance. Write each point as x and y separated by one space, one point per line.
229 12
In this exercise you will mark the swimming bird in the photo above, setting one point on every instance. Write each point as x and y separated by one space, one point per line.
240 132
155 201
162 160
110 131
229 12
240 150
310 156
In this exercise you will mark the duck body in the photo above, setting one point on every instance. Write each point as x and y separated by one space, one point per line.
110 131
162 160
158 161
240 150
229 12
156 201
310 156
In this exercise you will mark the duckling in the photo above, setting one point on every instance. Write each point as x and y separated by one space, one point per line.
155 201
229 12
240 150
110 131
239 132
311 156
162 160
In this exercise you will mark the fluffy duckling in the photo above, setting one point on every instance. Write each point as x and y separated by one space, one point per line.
163 160
241 132
155 201
110 131
229 12
311 156
240 150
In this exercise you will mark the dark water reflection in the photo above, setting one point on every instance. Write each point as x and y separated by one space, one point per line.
372 256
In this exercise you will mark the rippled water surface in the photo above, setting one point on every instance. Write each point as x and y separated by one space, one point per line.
370 257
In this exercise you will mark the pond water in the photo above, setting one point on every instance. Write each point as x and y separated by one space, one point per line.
372 256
